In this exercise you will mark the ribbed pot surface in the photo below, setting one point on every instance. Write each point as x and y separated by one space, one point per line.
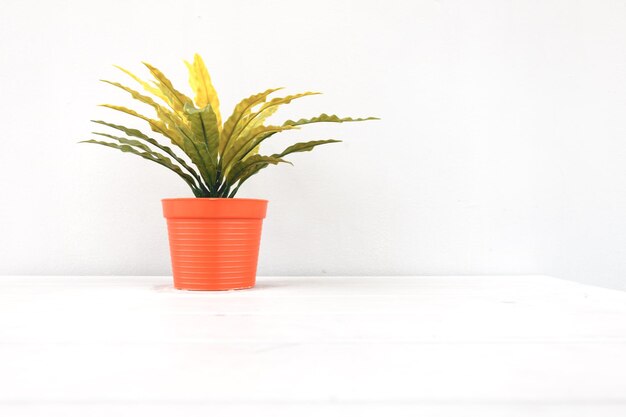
214 243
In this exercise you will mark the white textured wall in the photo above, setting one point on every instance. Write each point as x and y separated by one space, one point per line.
502 147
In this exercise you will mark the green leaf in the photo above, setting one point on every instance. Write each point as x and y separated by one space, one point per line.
254 163
149 88
138 134
130 142
304 147
200 82
136 95
258 118
242 110
175 98
246 131
177 133
168 120
244 145
137 148
167 116
205 136
243 135
180 135
251 167
323 118
156 125
246 168
286 100
219 154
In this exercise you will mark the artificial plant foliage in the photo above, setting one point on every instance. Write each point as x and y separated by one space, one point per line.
218 156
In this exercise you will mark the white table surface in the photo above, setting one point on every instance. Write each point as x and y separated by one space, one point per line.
312 346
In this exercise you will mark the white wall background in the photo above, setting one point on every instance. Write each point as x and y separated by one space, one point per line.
502 147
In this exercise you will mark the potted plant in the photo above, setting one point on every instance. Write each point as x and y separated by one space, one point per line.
214 238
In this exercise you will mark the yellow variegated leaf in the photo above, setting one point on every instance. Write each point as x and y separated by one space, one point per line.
254 120
304 147
170 118
266 110
241 168
250 123
200 82
323 118
250 167
156 125
205 136
224 155
286 100
256 123
242 110
137 148
136 95
175 98
244 145
149 88
131 142
179 135
140 135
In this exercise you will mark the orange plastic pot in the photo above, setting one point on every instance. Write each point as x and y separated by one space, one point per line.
214 242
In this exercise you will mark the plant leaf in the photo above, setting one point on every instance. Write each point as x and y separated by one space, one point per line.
149 88
205 136
242 168
248 137
286 100
323 118
156 125
163 113
169 118
136 95
256 120
175 98
180 136
244 145
266 110
241 111
137 148
130 142
222 155
304 147
200 82
159 126
138 134
252 165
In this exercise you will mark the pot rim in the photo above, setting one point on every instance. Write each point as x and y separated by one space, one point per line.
213 199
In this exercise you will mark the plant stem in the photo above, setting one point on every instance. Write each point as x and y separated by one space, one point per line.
231 195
